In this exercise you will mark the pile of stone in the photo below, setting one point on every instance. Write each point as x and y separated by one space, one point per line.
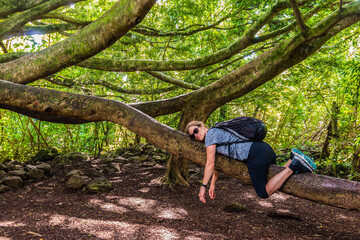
77 170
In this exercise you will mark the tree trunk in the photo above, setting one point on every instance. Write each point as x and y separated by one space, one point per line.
334 136
177 171
137 139
177 168
355 165
325 153
327 190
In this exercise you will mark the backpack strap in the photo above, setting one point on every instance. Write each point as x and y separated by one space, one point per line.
228 144
243 139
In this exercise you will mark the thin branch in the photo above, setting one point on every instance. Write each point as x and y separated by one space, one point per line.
3 47
184 32
287 28
59 80
168 79
298 16
65 18
239 58
341 6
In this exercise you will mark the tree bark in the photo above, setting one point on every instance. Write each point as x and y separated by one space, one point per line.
258 71
335 110
327 190
92 39
8 7
19 20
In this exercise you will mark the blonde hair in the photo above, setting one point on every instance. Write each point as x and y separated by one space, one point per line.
193 123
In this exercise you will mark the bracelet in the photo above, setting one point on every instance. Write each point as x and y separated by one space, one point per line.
203 185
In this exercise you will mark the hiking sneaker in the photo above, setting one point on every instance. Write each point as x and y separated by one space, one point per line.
306 160
298 166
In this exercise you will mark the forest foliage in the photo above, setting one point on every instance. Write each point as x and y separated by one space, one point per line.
312 106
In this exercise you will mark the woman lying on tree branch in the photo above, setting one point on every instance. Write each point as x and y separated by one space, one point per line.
257 155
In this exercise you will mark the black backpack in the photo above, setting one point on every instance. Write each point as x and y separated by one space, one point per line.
248 129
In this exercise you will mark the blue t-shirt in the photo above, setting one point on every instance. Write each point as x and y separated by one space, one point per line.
239 151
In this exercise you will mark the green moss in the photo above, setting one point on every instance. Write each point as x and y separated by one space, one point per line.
45 155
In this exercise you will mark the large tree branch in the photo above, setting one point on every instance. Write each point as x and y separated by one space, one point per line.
8 57
19 20
47 102
8 7
133 91
126 65
258 71
131 65
43 29
92 39
62 81
13 56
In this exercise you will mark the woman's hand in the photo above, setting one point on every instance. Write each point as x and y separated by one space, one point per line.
212 191
202 194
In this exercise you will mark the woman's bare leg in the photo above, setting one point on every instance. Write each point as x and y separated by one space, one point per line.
278 180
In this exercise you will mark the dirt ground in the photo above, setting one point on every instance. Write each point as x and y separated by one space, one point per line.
139 207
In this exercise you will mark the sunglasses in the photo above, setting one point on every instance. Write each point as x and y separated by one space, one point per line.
196 131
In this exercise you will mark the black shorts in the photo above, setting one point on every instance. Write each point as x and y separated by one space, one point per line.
261 155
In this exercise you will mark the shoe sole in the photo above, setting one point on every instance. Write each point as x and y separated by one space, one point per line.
308 159
303 160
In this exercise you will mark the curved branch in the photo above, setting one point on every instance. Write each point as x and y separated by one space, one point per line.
185 32
133 91
65 18
43 29
18 21
62 81
131 65
298 16
174 81
287 28
241 57
258 71
8 57
59 80
8 7
123 16
340 193
148 31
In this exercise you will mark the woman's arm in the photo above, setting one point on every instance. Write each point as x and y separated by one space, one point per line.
212 185
209 169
